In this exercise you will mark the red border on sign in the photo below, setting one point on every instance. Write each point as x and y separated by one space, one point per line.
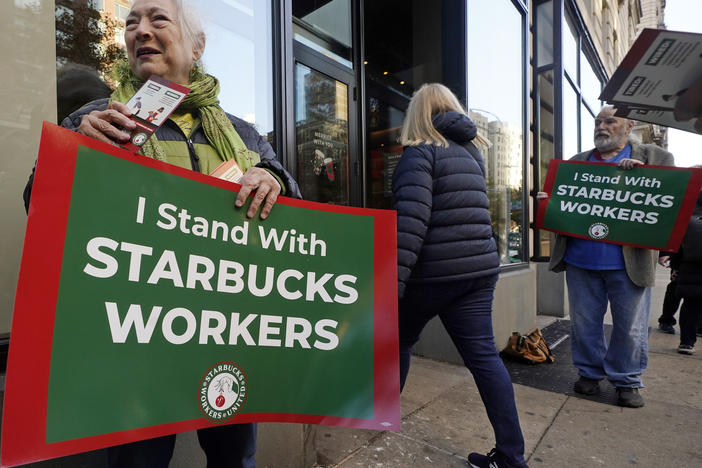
676 236
25 405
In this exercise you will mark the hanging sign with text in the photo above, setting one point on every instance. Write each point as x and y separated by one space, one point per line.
148 305
647 206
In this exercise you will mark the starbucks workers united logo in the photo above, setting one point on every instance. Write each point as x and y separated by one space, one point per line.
222 392
598 230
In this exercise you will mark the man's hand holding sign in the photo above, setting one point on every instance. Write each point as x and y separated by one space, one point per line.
624 202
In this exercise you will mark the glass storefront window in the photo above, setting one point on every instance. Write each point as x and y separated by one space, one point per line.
570 121
97 4
384 124
325 27
570 50
544 35
546 146
546 137
581 88
590 85
587 128
401 55
497 65
121 12
239 52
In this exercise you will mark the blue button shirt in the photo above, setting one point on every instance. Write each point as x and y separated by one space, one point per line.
595 255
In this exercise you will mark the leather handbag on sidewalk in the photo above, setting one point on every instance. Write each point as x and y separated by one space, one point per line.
530 348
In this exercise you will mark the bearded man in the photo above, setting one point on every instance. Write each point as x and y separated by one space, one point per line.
598 273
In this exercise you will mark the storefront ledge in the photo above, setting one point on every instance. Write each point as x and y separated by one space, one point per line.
514 309
552 297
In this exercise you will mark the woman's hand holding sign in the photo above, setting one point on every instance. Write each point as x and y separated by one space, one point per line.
266 187
111 125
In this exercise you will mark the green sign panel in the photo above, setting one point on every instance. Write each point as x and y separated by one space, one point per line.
173 311
644 207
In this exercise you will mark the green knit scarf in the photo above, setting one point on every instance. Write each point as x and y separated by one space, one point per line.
201 101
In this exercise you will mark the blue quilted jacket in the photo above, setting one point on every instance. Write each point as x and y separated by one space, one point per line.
443 223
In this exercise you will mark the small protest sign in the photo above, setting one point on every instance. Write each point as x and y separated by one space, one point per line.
151 105
660 66
148 305
648 206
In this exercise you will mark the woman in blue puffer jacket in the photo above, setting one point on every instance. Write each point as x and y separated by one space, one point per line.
447 258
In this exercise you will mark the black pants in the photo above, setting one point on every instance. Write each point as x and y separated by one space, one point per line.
232 446
671 301
690 320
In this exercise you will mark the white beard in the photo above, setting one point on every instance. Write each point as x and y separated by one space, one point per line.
606 143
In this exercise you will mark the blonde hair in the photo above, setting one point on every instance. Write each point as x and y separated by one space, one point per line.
430 99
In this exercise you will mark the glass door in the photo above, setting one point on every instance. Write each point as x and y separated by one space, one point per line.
322 136
325 102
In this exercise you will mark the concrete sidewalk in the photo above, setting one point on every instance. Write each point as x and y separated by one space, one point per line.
444 419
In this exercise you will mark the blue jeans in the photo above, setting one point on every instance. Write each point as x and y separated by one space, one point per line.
231 446
624 359
465 309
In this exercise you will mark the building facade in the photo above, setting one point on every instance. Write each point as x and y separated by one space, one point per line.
328 82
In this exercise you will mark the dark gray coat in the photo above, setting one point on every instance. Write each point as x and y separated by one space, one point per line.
170 131
443 223
690 268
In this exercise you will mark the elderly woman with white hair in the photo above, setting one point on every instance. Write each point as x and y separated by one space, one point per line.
163 39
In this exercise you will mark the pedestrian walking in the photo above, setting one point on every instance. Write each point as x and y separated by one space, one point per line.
447 257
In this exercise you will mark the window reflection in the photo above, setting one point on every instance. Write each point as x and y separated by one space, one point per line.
86 47
121 12
570 121
587 128
239 53
546 141
325 27
322 136
401 55
544 35
590 85
497 65
570 50
384 125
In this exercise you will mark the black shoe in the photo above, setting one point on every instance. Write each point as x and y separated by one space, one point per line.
699 332
686 349
666 328
629 397
587 386
494 459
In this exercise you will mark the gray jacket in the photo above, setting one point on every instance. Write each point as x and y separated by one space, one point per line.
640 264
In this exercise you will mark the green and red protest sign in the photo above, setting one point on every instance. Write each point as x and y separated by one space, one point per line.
148 305
647 206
